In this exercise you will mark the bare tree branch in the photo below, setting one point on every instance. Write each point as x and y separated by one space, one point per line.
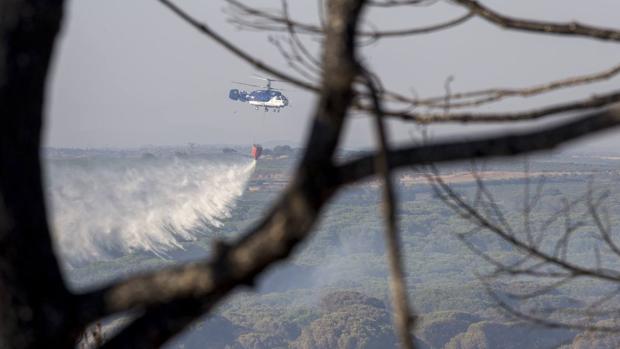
596 101
270 22
486 96
395 3
203 28
571 29
508 145
548 263
421 30
185 292
404 318
530 251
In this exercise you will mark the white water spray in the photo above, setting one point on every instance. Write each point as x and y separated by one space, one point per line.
102 207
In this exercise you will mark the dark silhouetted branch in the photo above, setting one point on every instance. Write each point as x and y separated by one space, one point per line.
596 101
403 316
540 138
571 29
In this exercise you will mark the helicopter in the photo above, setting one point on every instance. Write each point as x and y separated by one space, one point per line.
268 97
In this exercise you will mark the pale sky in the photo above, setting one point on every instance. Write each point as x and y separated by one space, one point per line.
130 73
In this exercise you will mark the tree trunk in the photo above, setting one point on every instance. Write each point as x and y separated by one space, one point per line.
35 307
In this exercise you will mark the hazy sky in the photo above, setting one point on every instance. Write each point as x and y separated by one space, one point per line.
130 73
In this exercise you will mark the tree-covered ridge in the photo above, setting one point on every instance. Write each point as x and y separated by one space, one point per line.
335 293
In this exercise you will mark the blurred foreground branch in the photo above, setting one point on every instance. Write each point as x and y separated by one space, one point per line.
37 310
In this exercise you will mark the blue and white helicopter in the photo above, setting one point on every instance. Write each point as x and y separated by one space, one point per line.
267 98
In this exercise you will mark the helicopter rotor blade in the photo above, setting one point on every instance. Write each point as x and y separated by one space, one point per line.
242 83
263 78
